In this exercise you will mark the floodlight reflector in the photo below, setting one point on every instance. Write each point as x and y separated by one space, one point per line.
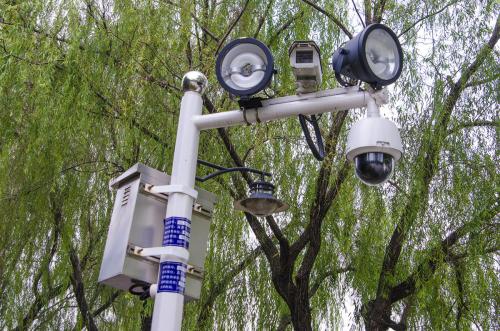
374 56
244 67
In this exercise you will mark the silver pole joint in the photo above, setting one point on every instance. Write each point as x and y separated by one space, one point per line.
194 81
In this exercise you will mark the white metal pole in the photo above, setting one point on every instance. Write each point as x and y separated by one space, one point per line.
169 299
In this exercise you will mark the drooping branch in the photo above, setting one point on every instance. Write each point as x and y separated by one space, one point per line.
42 298
285 26
231 27
440 254
423 18
37 305
207 302
331 16
473 124
197 20
262 19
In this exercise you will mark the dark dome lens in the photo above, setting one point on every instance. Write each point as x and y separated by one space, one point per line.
374 168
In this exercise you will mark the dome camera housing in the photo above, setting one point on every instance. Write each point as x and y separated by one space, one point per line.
374 145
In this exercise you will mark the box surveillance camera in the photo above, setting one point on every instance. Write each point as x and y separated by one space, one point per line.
305 59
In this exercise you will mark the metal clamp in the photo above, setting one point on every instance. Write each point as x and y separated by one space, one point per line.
166 189
381 97
169 251
257 119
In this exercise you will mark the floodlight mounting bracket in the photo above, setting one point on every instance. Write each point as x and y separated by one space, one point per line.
250 103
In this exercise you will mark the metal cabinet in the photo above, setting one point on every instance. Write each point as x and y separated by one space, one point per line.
137 222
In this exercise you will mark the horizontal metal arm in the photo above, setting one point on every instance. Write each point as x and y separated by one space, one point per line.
278 108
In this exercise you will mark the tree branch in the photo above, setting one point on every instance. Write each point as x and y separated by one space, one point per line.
323 198
368 12
231 27
478 123
193 16
427 160
79 291
437 255
331 16
263 18
357 13
429 156
286 319
107 304
482 81
426 17
378 11
285 26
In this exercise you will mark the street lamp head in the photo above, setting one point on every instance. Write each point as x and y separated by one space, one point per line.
244 67
194 81
374 56
261 201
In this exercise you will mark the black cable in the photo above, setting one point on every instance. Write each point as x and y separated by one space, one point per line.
143 293
317 149
223 170
341 80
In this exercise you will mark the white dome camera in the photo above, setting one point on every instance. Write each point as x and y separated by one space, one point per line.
374 145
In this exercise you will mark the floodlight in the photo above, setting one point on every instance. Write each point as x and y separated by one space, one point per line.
244 67
374 56
261 201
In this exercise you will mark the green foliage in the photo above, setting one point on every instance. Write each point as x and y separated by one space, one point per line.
89 88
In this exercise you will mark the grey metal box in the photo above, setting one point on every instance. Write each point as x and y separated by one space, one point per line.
137 222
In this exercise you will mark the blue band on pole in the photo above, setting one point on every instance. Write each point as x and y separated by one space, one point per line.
176 232
172 277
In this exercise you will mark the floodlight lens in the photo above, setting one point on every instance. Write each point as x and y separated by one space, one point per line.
382 54
374 56
244 67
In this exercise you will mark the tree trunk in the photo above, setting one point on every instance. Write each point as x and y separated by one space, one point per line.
301 310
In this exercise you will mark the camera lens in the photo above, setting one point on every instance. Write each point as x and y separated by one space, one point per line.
374 168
